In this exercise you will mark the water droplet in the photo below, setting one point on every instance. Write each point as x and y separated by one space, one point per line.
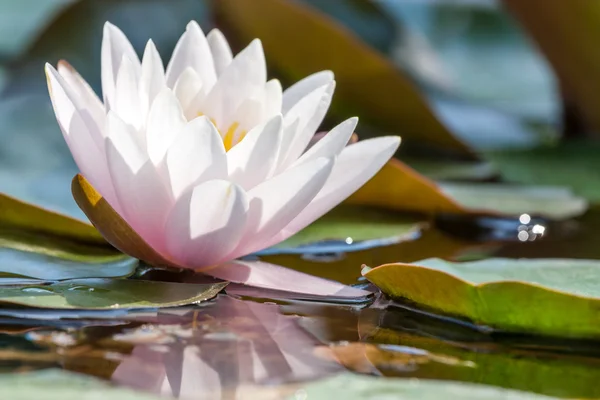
82 288
523 236
37 290
349 240
524 219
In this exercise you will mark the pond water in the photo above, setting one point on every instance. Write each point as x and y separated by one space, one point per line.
243 345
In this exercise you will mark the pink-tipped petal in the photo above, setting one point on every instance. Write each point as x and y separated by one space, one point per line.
115 46
245 77
206 223
220 50
356 164
274 203
196 155
301 123
302 88
152 79
252 160
165 122
269 276
192 50
332 143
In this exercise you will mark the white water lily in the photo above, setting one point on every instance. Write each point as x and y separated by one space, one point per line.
207 161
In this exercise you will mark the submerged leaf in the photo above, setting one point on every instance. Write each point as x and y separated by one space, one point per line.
109 293
544 296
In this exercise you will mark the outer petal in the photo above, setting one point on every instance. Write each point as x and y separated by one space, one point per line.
269 276
274 203
206 223
302 88
192 50
354 167
252 160
332 143
126 100
152 79
142 195
165 122
187 89
220 50
114 47
81 134
243 78
301 123
196 155
86 95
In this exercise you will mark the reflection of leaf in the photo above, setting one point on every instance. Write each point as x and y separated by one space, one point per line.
47 267
63 385
350 386
545 296
357 223
368 84
567 34
109 293
551 374
397 186
572 164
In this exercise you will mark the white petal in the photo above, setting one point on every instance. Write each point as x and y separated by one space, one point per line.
126 97
114 46
81 135
332 143
206 223
152 79
248 115
245 77
187 88
301 123
124 139
356 164
87 98
302 88
192 50
252 160
220 49
165 122
273 98
196 155
274 203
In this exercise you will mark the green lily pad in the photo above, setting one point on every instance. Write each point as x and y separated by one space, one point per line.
98 293
64 385
572 164
354 222
450 170
17 263
559 297
547 201
350 386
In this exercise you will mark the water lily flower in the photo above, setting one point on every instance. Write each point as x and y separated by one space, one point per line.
206 161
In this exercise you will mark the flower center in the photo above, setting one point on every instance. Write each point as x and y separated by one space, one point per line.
232 136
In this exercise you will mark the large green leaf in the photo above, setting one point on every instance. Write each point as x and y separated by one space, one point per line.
544 296
349 386
101 293
572 164
15 263
351 224
63 385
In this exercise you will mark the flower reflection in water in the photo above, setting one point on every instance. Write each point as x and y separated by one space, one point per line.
221 351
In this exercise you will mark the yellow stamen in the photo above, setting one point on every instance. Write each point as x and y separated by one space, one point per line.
228 138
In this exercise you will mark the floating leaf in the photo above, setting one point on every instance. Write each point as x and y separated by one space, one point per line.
41 266
349 224
544 296
397 186
100 293
572 164
443 170
63 385
567 33
350 386
373 87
